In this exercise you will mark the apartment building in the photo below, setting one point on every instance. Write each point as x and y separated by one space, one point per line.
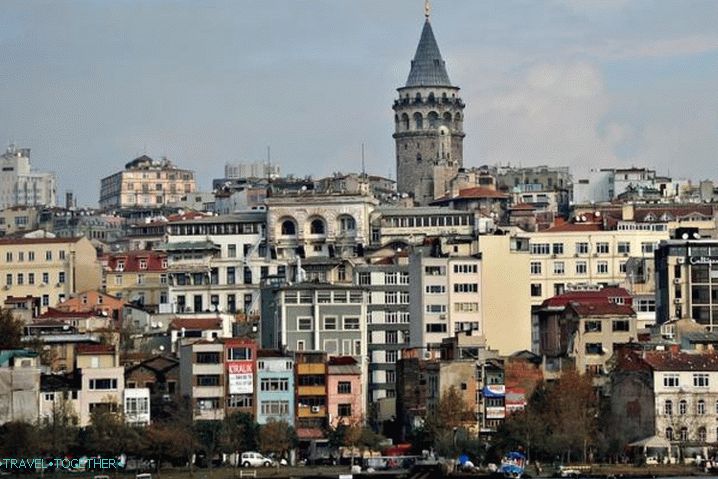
20 184
387 325
412 226
669 394
687 279
15 219
315 317
574 254
216 263
241 368
312 416
19 386
445 293
345 395
146 183
275 386
138 277
203 378
102 380
49 268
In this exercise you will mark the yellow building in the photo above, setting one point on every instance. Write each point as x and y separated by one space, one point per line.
48 268
137 277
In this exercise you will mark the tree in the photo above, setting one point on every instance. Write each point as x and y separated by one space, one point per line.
60 430
443 424
241 433
277 437
18 439
209 435
10 330
108 434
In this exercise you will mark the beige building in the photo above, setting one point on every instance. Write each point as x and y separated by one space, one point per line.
571 255
103 380
16 219
138 277
48 268
506 303
202 378
146 183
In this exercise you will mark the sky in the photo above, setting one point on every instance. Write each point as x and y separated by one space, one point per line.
90 85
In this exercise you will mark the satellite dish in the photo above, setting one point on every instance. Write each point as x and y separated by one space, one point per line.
598 213
162 348
696 236
583 217
685 236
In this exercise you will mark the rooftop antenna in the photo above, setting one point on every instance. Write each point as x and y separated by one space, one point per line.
363 167
269 163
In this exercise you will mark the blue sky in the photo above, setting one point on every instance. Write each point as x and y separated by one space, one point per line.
89 85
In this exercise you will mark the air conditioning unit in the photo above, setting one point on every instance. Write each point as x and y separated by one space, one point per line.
677 301
676 280
625 254
442 316
681 261
316 409
575 255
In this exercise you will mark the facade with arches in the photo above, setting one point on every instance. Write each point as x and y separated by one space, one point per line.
428 130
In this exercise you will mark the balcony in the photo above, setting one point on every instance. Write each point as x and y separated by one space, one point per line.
311 411
311 368
311 390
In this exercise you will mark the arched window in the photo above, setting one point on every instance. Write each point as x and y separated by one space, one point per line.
418 96
669 433
316 227
668 407
418 157
447 118
682 407
405 121
418 121
289 228
457 117
684 434
702 435
433 118
432 99
701 407
347 224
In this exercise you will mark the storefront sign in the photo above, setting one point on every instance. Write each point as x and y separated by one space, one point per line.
241 377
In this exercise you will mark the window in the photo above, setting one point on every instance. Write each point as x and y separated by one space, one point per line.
20 279
347 224
622 267
231 250
304 324
624 247
31 278
622 325
143 263
392 337
392 357
700 380
207 358
140 279
8 257
103 384
602 267
436 308
466 288
239 354
557 248
344 387
682 407
207 379
465 268
535 267
684 434
645 305
671 380
466 307
274 408
45 278
602 248
581 267
364 278
237 401
390 277
702 434
61 277
558 267
435 270
435 289
46 300
540 248
344 410
390 297
21 256
8 279
668 407
404 297
289 228
274 384
31 256
648 247
48 255
594 348
316 227
592 327
324 297
669 433
351 323
535 289
701 407
435 328
582 248
330 323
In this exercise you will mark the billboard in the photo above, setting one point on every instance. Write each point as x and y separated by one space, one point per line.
241 377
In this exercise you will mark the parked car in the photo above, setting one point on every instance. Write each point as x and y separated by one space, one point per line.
255 459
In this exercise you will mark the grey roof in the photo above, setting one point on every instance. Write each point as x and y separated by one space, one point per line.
427 67
187 246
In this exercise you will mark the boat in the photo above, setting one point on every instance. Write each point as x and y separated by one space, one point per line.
512 465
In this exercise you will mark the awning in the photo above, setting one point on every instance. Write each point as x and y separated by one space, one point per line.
653 441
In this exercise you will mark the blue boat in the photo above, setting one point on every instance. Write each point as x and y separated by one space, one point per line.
512 465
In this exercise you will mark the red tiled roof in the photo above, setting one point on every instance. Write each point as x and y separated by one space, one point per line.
94 348
132 259
601 296
605 309
56 313
568 227
522 206
681 361
18 299
342 361
196 323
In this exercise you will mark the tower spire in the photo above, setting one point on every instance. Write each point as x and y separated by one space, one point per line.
427 9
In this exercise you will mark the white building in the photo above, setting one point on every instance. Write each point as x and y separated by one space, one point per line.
445 297
251 170
20 184
137 406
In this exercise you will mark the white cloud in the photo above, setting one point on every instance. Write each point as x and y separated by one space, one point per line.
628 48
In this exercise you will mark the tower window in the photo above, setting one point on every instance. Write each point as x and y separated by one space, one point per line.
418 121
288 227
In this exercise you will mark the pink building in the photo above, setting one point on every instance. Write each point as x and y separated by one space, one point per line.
344 391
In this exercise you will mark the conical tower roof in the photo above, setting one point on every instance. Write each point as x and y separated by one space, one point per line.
427 67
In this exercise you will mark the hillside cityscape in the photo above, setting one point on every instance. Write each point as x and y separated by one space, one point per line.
461 310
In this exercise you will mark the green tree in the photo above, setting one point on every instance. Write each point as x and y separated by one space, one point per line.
241 433
10 330
447 420
108 434
19 439
59 431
